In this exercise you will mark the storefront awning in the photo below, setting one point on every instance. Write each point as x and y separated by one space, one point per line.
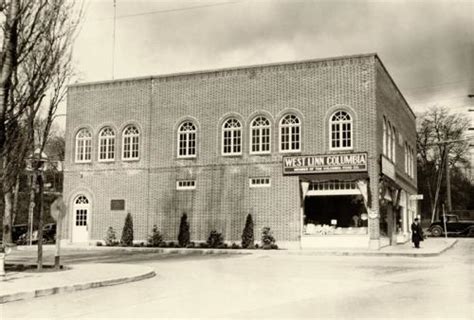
343 176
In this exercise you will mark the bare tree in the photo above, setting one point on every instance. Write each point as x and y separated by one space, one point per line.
36 67
435 127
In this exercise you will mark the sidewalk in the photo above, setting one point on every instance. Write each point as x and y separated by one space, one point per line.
430 247
26 285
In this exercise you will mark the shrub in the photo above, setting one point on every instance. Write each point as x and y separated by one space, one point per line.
235 246
267 238
203 245
191 245
183 236
127 232
156 238
247 234
111 237
171 244
215 239
98 243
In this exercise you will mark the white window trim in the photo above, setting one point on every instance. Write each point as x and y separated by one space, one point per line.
260 185
181 187
280 126
76 155
223 130
269 127
340 140
99 145
123 144
325 189
186 156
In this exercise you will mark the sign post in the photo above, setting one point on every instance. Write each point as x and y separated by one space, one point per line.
58 211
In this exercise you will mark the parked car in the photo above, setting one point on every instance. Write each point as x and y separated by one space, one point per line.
454 226
49 235
18 230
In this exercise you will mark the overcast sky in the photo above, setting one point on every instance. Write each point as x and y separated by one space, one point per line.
427 46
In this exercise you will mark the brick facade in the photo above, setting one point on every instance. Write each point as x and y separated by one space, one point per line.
312 90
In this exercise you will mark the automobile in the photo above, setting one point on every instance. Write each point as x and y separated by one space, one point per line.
455 226
18 230
49 235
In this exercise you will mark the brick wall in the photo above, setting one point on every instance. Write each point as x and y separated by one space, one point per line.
312 90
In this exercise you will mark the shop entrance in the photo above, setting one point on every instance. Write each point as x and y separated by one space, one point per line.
331 209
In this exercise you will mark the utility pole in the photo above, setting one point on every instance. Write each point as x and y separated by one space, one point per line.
113 40
448 180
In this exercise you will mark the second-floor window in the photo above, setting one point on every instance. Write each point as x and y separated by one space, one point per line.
130 143
290 132
341 130
106 144
187 140
260 135
232 137
83 146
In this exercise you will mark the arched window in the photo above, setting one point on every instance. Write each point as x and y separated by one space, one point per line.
187 140
341 130
83 146
232 137
260 135
394 143
407 159
131 143
290 133
389 140
106 144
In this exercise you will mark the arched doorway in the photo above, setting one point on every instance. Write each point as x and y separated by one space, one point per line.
81 212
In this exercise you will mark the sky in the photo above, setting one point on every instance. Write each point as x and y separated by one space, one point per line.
427 46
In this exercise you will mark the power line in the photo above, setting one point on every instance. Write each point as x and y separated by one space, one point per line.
167 11
437 85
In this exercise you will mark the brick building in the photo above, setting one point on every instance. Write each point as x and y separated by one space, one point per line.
321 151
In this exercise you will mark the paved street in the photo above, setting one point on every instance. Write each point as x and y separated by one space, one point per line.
275 286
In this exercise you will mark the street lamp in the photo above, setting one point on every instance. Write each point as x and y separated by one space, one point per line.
36 163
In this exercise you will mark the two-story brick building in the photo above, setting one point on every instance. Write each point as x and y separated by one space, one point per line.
321 151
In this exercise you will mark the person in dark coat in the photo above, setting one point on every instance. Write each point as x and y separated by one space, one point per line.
416 233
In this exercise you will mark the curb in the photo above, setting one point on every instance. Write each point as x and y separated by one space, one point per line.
72 288
375 253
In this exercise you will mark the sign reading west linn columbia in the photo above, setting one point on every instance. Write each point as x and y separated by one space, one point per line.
326 163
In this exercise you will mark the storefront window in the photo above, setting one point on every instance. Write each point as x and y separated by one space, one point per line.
334 208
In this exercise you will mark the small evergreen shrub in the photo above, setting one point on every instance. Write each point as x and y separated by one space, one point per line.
111 237
247 234
191 245
183 236
127 232
98 243
156 238
215 239
171 244
268 241
235 246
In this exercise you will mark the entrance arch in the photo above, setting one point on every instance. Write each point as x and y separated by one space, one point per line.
81 212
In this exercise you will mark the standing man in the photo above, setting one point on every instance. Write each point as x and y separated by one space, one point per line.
416 233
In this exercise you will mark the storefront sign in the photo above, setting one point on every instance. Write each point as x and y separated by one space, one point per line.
352 162
388 168
416 197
